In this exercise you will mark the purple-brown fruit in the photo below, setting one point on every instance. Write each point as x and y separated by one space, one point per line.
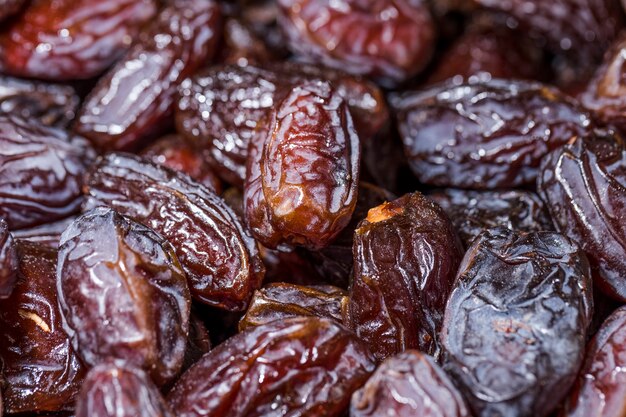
8 261
47 234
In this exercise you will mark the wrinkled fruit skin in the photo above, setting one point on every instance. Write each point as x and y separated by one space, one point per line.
51 104
224 108
120 390
301 366
473 211
134 99
516 322
123 294
42 372
280 301
599 390
407 385
8 261
398 308
584 187
301 181
41 171
70 39
219 255
487 134
47 234
175 153
388 40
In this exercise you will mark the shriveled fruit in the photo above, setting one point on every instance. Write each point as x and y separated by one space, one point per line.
516 323
389 40
487 134
584 187
134 99
301 181
280 301
8 261
123 294
407 385
58 40
219 255
406 253
117 389
300 366
42 372
41 171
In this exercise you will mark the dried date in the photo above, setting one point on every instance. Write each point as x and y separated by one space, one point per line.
388 40
300 366
8 261
120 390
134 100
42 372
473 211
301 181
41 171
407 385
405 256
219 255
516 322
58 40
486 134
584 187
280 301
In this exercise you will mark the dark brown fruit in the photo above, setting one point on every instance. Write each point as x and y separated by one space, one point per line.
41 370
388 40
51 104
409 384
307 367
487 134
600 388
516 323
198 342
117 389
406 253
301 181
47 234
219 255
473 211
584 187
8 261
175 153
71 39
281 301
41 171
123 294
134 100
241 46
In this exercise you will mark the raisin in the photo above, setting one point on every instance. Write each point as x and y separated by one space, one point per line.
41 370
396 308
123 294
388 40
487 134
9 7
41 171
300 366
516 322
8 261
134 99
218 254
117 389
58 40
599 389
223 109
47 234
51 104
584 187
473 211
280 301
173 152
407 385
301 183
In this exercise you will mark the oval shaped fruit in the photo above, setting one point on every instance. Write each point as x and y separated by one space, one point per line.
123 294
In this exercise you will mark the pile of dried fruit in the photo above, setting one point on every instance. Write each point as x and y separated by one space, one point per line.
313 208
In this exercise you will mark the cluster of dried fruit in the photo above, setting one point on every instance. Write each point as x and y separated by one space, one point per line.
312 208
